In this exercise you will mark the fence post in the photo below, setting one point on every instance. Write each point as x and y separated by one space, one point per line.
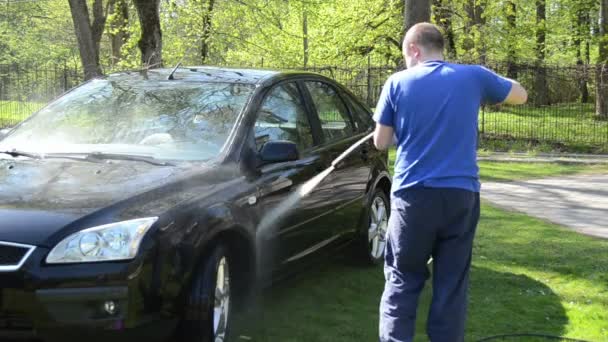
481 133
369 80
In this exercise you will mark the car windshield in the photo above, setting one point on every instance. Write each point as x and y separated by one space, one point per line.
161 119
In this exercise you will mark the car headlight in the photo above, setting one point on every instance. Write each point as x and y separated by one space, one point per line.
110 242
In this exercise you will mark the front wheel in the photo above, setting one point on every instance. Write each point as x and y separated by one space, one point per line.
373 239
207 318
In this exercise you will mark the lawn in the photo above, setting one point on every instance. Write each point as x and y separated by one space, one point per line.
528 276
503 171
13 112
565 127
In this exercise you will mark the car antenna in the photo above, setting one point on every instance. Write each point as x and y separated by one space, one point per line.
171 77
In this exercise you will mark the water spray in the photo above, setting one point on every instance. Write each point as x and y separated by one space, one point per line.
278 212
273 217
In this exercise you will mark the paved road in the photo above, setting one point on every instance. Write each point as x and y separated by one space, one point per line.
578 202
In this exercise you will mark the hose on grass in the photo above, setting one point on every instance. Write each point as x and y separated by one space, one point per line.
545 336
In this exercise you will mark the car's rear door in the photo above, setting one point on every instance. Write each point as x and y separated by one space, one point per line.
344 191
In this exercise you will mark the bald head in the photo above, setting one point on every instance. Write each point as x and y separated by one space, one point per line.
422 42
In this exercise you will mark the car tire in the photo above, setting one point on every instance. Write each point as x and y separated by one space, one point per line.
209 306
372 237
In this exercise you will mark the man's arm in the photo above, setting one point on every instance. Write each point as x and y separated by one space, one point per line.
518 94
498 89
383 136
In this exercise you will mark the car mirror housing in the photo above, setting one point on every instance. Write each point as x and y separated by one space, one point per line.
278 152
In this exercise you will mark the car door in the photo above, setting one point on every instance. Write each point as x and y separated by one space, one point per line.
283 115
345 189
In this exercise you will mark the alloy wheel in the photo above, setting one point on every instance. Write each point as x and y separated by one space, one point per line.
221 308
378 227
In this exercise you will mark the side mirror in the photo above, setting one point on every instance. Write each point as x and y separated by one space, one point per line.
279 151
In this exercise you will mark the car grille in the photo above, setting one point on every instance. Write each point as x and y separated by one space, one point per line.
13 255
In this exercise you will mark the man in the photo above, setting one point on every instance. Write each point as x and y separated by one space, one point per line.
430 112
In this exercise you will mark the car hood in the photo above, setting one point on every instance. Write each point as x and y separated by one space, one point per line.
39 197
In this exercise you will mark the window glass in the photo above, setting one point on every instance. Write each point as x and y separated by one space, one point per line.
363 118
333 114
282 116
162 119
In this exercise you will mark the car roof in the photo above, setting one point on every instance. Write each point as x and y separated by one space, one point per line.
211 74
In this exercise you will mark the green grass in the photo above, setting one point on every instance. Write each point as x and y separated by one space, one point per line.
13 112
503 171
528 276
570 127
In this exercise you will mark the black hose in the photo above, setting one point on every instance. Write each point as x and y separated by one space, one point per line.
549 337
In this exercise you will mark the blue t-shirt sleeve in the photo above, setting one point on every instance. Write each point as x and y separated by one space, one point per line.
495 88
385 110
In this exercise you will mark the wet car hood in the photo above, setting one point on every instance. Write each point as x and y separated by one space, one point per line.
39 197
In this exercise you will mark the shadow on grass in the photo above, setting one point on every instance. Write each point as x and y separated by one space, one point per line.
339 302
507 303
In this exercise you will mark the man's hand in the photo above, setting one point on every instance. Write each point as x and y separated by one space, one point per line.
518 94
383 137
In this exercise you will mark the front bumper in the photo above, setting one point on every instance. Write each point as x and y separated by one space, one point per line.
95 302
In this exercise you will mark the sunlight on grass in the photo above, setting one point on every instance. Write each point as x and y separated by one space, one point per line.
503 171
527 276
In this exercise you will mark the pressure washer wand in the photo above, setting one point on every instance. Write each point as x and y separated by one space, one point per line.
351 149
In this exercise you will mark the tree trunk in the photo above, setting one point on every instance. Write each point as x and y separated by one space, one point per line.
99 23
442 16
151 40
305 36
119 28
89 54
582 30
416 11
511 14
601 106
542 90
208 12
474 10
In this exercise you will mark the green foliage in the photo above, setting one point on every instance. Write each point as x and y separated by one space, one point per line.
271 33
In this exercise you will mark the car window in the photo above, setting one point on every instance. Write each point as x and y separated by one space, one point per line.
363 118
282 116
333 114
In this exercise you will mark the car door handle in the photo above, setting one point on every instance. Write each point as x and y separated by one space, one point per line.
364 152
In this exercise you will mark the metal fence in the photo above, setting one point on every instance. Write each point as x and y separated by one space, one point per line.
560 111
26 88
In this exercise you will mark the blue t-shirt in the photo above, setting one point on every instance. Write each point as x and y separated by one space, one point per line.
433 109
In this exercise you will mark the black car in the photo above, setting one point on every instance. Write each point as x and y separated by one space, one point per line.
130 207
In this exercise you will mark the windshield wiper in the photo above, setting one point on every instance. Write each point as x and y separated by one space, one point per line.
89 157
117 156
16 153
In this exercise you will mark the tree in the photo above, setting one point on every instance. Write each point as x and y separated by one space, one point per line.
540 82
151 40
511 14
442 15
474 23
205 39
88 35
305 36
583 27
119 31
601 106
416 11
